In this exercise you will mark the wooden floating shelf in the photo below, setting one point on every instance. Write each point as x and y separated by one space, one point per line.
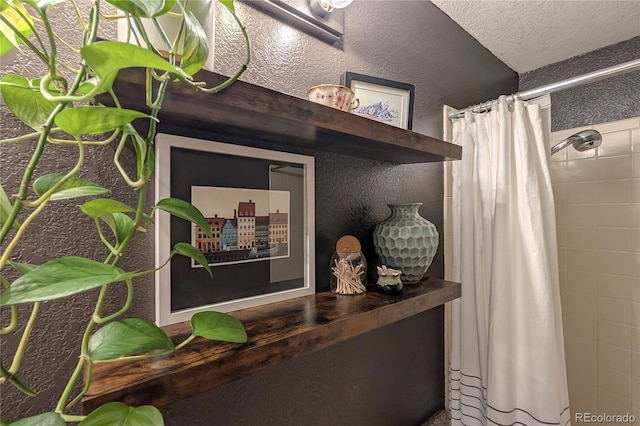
248 114
277 332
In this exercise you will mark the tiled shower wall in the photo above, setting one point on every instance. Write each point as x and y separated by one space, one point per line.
597 195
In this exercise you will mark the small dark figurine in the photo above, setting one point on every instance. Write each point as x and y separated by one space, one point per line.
389 280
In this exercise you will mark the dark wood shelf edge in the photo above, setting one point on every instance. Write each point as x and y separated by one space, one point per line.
277 332
253 115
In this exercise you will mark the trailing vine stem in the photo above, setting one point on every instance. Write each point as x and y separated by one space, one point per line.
65 96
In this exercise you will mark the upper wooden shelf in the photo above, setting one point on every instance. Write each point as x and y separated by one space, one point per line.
277 332
254 113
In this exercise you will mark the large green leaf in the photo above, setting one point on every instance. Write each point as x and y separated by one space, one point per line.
188 250
130 336
93 120
5 209
118 414
218 326
120 225
143 8
105 57
60 278
44 419
186 211
25 101
104 206
196 48
73 187
8 39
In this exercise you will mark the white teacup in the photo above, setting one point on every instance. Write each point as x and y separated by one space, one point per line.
333 95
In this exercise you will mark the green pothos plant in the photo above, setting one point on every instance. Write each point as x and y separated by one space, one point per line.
61 107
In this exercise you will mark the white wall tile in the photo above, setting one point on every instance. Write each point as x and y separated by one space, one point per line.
614 357
580 326
584 192
635 191
583 259
615 310
612 403
615 143
561 214
559 193
635 169
583 397
614 381
614 262
635 314
581 215
582 360
582 170
618 125
582 303
561 234
614 215
614 167
610 191
581 281
634 245
617 334
635 363
635 338
635 289
558 171
582 237
448 228
614 239
616 286
634 215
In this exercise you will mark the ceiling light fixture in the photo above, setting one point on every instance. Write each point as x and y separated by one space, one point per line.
322 7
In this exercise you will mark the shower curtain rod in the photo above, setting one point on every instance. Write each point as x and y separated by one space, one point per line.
569 83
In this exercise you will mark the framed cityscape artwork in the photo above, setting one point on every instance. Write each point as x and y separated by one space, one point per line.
259 207
383 100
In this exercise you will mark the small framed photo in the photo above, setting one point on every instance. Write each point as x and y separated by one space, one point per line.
388 101
259 206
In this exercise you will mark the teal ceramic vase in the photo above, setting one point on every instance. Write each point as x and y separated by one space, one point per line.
406 241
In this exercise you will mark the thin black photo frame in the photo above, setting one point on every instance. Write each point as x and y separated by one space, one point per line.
376 93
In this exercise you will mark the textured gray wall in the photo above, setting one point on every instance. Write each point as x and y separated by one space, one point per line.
392 376
612 99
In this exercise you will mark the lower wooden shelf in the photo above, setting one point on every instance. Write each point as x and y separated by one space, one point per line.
277 332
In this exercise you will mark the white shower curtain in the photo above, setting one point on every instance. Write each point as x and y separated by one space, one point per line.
507 353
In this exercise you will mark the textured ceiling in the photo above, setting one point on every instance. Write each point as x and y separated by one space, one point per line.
529 34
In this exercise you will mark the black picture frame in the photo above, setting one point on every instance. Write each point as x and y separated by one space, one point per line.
384 100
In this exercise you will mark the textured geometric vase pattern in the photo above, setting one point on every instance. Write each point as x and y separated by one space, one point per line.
406 241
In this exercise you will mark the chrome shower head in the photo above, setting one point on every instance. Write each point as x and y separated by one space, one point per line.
581 141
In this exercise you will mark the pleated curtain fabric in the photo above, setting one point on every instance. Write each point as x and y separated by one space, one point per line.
507 363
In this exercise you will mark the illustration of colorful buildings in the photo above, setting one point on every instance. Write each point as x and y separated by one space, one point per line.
262 232
245 235
229 235
246 225
278 228
203 242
